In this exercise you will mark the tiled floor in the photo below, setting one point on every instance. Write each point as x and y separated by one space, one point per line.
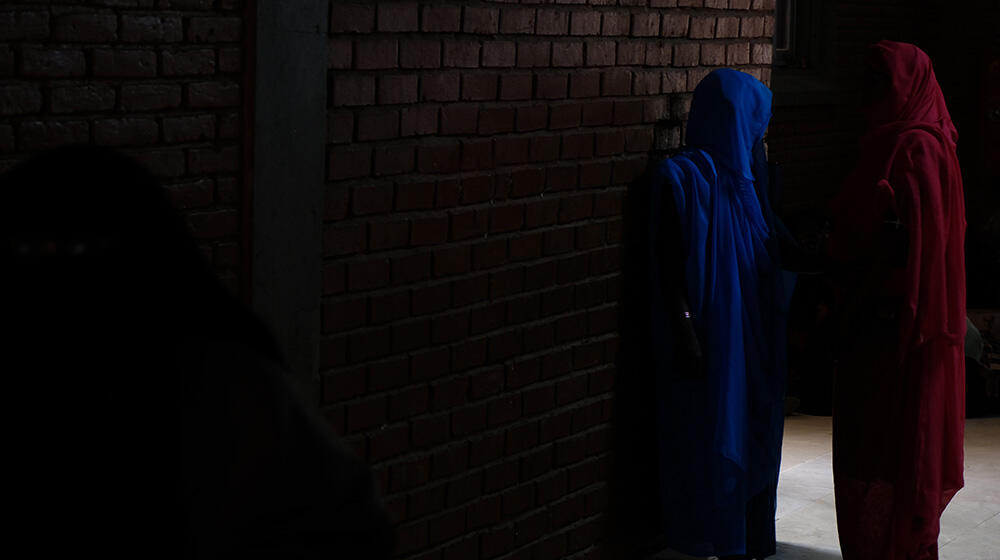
807 526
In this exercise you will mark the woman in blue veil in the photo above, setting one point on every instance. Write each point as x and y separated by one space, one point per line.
718 300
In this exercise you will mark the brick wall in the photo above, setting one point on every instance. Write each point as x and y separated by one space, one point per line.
159 79
479 152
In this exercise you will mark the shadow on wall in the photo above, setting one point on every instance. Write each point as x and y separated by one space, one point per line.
633 519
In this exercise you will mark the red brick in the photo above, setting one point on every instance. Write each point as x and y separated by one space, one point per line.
727 27
213 160
511 150
126 63
615 24
349 163
214 94
552 86
645 24
737 53
533 54
150 97
189 129
343 315
485 255
378 124
446 526
494 120
439 87
396 89
686 54
352 90
577 146
151 29
713 54
459 119
188 62
443 19
675 25
477 189
532 117
479 87
481 20
561 178
477 155
85 28
352 18
451 261
397 17
461 54
429 231
418 121
49 134
393 160
431 364
23 99
6 61
585 23
515 86
420 53
21 25
517 20
119 132
752 26
609 143
646 83
564 116
601 53
366 275
53 63
761 53
638 140
371 199
205 225
499 54
544 148
442 157
617 83
339 54
163 163
658 54
230 60
702 27
375 54
631 53
446 395
214 29
567 54
552 22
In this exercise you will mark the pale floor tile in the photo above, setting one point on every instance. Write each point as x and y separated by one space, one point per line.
806 518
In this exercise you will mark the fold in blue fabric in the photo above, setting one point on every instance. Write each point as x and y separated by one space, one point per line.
719 436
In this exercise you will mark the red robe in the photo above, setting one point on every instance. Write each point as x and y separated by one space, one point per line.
899 391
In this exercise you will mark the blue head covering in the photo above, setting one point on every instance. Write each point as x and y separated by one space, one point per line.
729 115
720 436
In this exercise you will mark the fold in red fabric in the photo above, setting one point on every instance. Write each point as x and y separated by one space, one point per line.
899 392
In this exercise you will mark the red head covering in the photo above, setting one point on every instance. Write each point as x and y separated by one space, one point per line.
914 95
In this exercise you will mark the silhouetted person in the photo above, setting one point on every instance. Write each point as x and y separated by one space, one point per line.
899 387
716 311
148 413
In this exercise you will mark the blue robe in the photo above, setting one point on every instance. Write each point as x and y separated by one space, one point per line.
719 436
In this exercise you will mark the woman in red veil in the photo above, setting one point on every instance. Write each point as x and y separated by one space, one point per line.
899 391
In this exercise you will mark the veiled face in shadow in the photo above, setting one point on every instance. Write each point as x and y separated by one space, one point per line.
875 85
